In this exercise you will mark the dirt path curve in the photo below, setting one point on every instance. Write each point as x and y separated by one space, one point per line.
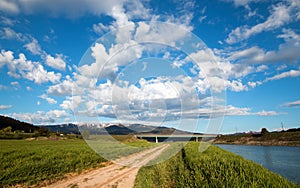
115 175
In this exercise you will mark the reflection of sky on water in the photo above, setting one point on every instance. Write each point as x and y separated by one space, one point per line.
280 159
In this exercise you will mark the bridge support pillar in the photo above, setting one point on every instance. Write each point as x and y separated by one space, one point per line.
156 139
196 138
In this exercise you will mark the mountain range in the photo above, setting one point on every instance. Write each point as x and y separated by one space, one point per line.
96 128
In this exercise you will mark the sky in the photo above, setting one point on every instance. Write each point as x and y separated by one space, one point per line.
220 66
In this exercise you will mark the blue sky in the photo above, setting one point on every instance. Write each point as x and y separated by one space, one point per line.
206 66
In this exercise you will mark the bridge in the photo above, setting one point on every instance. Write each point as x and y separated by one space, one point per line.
174 137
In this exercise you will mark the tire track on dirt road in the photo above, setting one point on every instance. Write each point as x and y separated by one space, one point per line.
121 174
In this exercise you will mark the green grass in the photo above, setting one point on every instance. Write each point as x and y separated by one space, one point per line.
37 161
212 168
117 146
32 162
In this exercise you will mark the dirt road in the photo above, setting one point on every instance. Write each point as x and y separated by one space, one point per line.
115 175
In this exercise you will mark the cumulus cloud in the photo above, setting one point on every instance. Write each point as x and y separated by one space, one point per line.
21 67
57 113
6 56
34 47
62 88
5 107
56 62
48 99
41 117
72 103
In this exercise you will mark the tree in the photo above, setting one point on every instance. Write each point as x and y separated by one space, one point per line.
7 129
44 132
264 131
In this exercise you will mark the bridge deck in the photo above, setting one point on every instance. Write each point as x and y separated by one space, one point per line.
176 135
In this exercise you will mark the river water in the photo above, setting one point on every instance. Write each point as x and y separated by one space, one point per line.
284 160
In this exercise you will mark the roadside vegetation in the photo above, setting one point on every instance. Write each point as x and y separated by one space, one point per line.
212 168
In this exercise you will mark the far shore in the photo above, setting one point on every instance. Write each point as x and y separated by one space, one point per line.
261 143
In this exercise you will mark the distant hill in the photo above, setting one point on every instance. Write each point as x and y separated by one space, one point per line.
64 128
113 129
16 124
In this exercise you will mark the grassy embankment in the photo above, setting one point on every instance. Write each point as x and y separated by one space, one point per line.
271 139
39 162
212 168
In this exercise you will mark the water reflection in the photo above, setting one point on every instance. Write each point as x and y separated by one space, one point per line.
268 157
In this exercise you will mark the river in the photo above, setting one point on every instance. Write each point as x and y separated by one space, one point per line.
284 160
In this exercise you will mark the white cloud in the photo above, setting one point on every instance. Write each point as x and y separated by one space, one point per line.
242 2
57 113
100 28
63 88
34 47
280 15
78 8
48 99
262 68
250 12
281 67
9 6
291 73
292 104
56 62
5 107
72 103
202 18
267 113
41 117
2 87
5 57
254 84
8 33
288 52
236 85
136 9
27 69
15 84
288 34
7 21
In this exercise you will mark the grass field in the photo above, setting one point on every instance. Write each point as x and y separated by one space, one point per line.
34 162
212 168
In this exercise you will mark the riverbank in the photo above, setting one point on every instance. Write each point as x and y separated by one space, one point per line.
285 138
283 160
261 143
214 167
